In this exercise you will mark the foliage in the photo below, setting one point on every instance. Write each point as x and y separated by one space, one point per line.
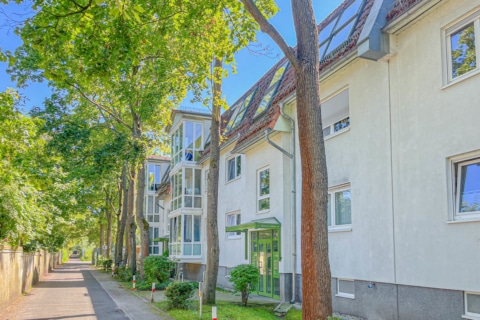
107 263
178 294
65 254
244 278
123 274
157 269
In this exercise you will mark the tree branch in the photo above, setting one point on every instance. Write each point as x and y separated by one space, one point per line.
269 29
99 106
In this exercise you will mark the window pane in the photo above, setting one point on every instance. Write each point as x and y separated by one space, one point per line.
473 303
264 204
151 177
197 249
239 166
189 135
265 182
343 214
470 188
197 202
196 230
198 182
327 30
157 174
340 37
231 169
345 286
188 181
265 101
149 205
187 249
278 74
342 124
187 228
198 136
157 207
329 210
349 12
463 50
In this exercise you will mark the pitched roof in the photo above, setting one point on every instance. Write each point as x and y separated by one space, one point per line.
400 7
155 157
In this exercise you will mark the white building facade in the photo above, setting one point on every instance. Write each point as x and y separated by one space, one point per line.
401 125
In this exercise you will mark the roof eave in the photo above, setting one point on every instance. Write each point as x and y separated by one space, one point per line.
404 19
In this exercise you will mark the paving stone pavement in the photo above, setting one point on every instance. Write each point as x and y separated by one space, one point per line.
76 291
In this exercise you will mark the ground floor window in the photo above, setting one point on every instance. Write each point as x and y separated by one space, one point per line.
339 207
472 305
346 288
185 235
233 219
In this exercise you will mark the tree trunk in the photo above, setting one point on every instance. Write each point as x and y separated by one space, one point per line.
132 257
122 217
316 277
213 249
102 237
141 220
109 216
316 287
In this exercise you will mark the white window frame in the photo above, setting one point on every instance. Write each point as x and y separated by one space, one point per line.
333 227
156 178
235 160
178 241
470 315
154 244
333 114
456 164
237 221
345 294
450 30
266 196
152 213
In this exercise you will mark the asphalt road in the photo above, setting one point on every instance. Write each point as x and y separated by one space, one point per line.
76 291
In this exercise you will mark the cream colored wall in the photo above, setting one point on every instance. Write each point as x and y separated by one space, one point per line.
430 124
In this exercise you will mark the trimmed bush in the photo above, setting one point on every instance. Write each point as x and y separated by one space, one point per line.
157 269
123 274
244 278
178 294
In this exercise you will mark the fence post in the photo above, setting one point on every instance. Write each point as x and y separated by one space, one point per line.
133 283
153 290
214 313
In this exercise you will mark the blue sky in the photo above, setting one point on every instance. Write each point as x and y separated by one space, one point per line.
250 67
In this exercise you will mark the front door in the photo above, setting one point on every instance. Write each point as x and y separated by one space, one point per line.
265 254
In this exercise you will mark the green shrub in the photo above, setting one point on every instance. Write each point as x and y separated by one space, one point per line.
123 274
178 294
157 269
244 278
107 263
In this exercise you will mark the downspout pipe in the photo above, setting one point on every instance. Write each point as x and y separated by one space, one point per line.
293 203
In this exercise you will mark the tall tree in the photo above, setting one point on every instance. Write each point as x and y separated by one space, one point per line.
316 277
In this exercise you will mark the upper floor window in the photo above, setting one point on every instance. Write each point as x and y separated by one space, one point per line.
237 116
234 167
335 114
339 213
462 42
153 176
187 142
263 190
154 246
187 188
272 89
467 188
152 209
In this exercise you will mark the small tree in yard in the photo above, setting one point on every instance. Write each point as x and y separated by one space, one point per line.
244 277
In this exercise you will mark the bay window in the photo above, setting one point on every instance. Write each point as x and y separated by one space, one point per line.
187 188
187 142
153 176
186 240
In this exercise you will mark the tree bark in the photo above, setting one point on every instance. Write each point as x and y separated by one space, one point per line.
102 237
141 220
122 217
132 243
109 216
316 282
213 248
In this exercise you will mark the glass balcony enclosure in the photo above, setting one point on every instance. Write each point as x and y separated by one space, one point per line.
187 142
185 237
186 188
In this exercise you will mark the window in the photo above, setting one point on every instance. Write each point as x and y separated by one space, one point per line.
472 305
466 188
264 190
153 176
152 209
187 188
462 42
346 288
237 116
335 114
233 219
154 247
187 142
272 89
186 240
234 168
339 213
337 32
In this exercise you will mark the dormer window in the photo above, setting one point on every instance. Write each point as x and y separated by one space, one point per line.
237 116
272 89
339 29
187 142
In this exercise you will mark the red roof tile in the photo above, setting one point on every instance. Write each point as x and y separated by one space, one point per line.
401 6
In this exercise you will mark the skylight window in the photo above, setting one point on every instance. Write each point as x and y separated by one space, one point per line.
272 89
339 29
240 112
